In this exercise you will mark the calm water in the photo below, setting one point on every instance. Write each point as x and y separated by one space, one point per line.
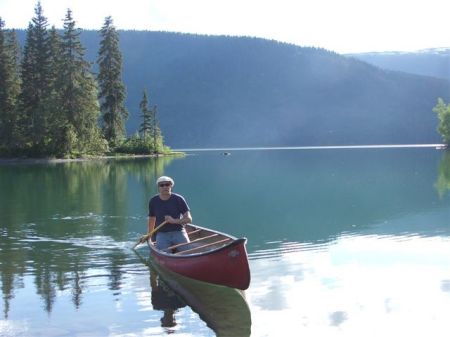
342 242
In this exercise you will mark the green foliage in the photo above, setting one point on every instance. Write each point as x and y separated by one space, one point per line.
57 124
138 145
50 105
9 89
37 79
146 128
112 90
443 112
149 130
76 96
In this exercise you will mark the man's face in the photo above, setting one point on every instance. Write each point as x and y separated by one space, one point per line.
165 187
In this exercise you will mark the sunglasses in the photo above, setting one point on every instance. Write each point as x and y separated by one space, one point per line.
165 184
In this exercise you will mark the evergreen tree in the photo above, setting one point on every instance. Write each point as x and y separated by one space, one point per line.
158 143
443 112
58 123
15 53
145 129
78 95
9 89
149 129
111 88
36 79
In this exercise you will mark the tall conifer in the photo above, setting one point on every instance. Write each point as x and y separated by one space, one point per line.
156 132
78 95
145 129
149 129
36 78
111 88
9 89
58 123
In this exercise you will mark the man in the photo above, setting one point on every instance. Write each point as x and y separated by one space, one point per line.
172 208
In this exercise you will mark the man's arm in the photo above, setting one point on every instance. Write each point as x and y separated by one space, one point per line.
185 219
151 223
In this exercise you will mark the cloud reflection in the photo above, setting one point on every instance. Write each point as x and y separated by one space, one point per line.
445 286
353 282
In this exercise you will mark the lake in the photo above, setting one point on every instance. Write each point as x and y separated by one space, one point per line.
341 241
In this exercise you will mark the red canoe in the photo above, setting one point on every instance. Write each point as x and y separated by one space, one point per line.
211 256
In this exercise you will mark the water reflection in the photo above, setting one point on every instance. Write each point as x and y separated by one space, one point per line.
59 220
165 300
357 284
224 310
443 180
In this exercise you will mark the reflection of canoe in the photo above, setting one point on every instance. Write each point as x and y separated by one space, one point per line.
223 309
211 257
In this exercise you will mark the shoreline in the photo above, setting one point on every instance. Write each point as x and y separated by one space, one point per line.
6 161
438 146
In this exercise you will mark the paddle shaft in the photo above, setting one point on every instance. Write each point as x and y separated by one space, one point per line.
149 235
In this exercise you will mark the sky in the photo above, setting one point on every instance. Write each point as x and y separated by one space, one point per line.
343 26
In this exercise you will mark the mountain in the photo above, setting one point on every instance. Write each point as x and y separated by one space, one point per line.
219 91
427 62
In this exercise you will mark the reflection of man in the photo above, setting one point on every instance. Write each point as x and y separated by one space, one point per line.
163 298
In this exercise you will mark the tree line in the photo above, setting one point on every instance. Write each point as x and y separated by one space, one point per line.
443 112
52 104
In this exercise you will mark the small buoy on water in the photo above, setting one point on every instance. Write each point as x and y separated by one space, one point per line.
226 153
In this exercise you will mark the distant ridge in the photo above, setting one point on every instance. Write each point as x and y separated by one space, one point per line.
219 91
433 62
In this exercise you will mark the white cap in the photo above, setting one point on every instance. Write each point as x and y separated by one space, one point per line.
163 179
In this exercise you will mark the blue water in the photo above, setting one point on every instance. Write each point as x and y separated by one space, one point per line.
341 241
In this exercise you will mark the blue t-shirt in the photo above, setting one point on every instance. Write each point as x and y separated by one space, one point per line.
175 206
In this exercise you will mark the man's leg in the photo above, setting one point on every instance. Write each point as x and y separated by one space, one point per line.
180 237
163 240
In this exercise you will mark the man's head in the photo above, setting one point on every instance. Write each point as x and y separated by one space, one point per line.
165 181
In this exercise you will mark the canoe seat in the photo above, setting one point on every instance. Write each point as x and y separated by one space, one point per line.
188 251
194 231
187 243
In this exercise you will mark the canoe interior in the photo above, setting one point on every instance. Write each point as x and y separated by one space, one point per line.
201 240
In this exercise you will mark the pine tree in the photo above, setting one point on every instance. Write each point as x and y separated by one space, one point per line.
9 89
156 132
111 88
58 123
36 78
149 130
78 95
145 129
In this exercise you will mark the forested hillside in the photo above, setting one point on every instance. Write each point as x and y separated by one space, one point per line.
227 91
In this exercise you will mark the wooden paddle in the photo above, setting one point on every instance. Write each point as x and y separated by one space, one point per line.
148 235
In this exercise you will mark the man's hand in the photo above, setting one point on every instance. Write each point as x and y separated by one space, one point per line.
169 219
143 238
